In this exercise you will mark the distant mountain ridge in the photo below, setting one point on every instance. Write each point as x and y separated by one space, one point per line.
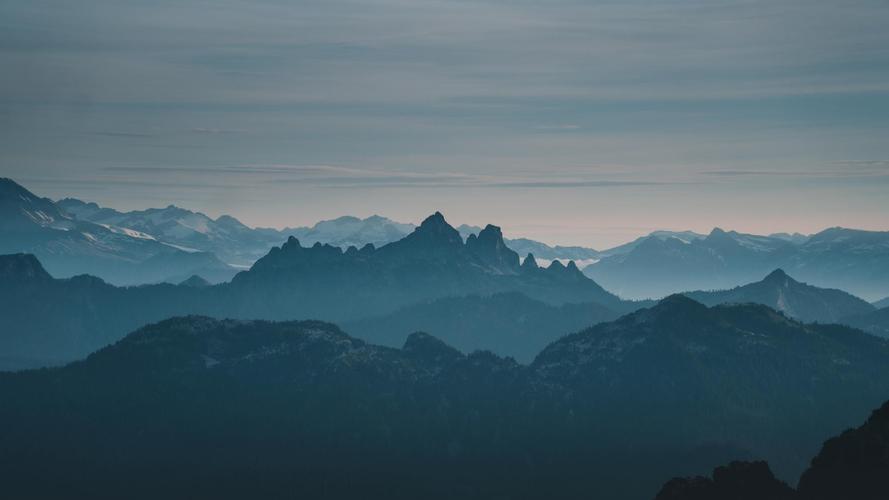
231 240
303 408
241 245
68 246
848 259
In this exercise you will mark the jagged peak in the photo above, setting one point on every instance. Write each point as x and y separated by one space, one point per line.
435 220
530 262
433 232
491 232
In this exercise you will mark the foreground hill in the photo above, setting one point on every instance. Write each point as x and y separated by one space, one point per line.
68 246
198 407
798 300
44 319
742 374
851 466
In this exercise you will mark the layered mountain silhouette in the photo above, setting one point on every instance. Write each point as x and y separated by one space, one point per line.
851 466
432 262
66 319
656 265
68 246
251 408
664 263
798 300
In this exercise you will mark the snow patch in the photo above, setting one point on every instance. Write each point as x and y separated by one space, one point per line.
180 247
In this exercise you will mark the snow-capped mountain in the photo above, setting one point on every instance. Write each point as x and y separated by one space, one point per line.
349 231
660 264
232 241
69 246
228 238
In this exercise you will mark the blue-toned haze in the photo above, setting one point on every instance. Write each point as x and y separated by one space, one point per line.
572 122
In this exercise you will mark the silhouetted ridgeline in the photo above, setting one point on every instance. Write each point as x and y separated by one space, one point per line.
199 407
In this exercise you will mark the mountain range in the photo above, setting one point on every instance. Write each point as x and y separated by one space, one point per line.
68 246
660 264
194 406
45 320
231 240
170 244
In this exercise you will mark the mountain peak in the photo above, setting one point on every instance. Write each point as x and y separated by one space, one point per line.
490 248
434 232
777 276
678 304
434 220
530 262
195 281
9 189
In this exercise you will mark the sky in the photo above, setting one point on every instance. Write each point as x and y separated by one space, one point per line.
573 122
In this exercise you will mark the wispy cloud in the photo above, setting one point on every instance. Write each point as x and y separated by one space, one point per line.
833 170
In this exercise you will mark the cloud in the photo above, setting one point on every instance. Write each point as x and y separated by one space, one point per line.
835 170
345 177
